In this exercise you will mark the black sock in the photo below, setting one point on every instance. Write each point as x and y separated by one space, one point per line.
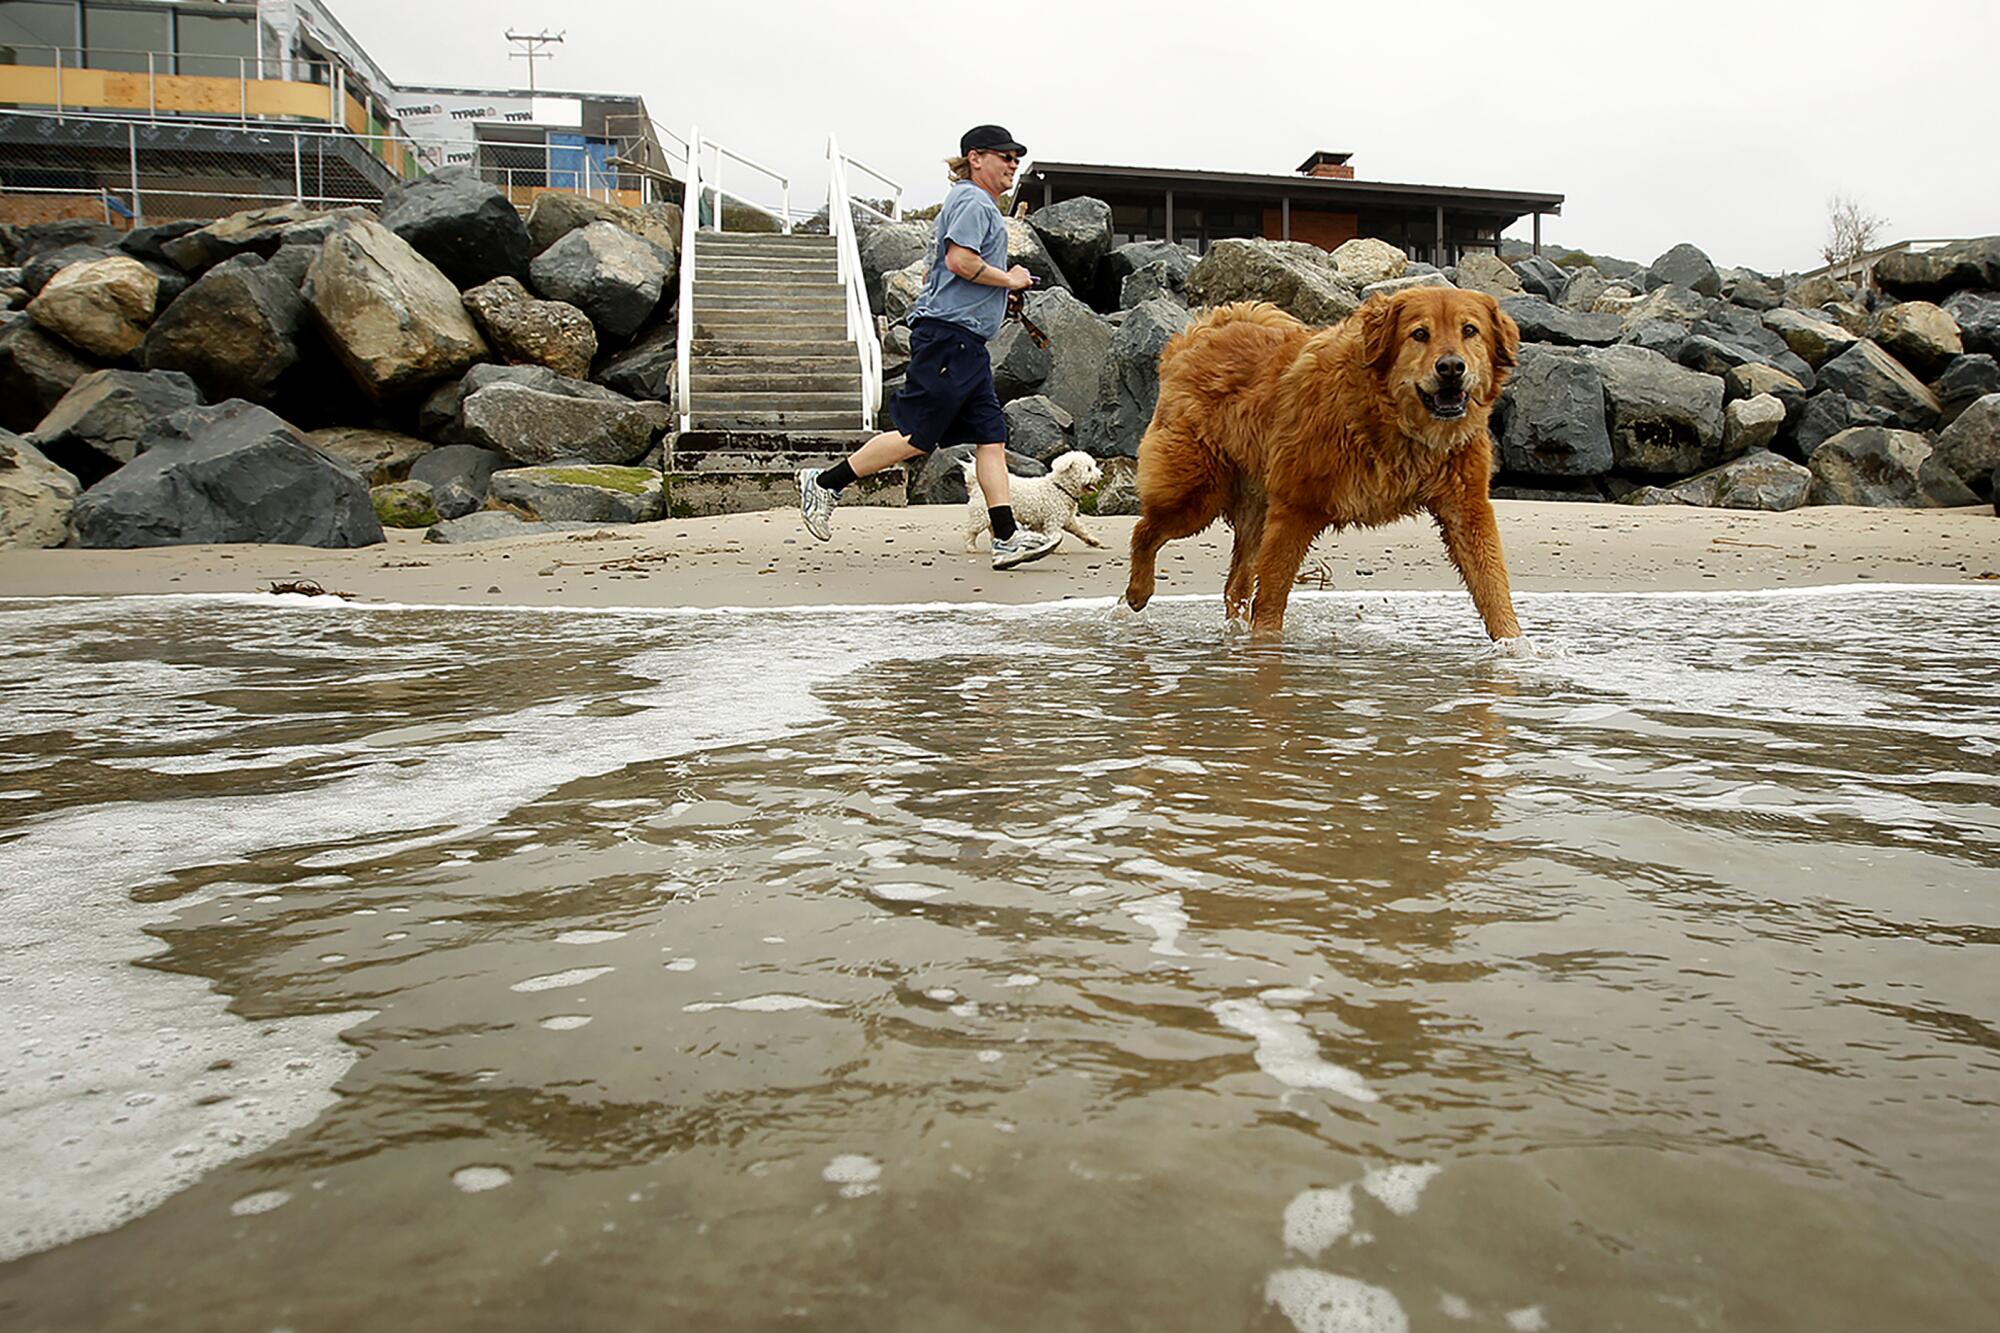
1003 521
837 476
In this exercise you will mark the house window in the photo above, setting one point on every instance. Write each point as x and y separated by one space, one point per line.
215 46
29 29
127 39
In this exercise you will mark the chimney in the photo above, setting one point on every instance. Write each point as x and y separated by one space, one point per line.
1328 166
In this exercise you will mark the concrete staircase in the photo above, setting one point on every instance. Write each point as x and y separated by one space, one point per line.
774 380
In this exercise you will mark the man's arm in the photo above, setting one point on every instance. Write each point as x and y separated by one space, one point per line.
967 264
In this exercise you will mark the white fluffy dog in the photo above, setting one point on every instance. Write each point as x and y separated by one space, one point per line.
1042 503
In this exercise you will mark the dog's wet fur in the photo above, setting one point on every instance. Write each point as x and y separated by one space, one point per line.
1287 430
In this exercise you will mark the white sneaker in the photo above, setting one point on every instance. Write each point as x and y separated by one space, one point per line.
816 503
1026 544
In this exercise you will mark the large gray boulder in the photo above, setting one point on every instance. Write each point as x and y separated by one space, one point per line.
1917 333
395 321
1977 315
1542 322
36 496
1752 291
1295 277
1745 329
1815 341
1664 419
1551 418
564 421
1585 285
582 493
1039 429
1539 277
38 238
234 472
1827 414
1965 381
462 224
258 231
458 475
1020 365
1481 272
144 243
644 368
1078 341
1751 423
1938 273
1684 266
1025 248
35 372
1759 480
611 275
1364 261
40 271
1673 303
1867 374
1884 469
901 289
1161 280
1077 235
378 457
494 525
1128 386
101 307
1970 446
889 248
1125 260
526 331
96 428
1657 335
557 213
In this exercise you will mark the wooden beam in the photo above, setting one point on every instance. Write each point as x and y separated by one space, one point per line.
1538 235
1285 208
1170 215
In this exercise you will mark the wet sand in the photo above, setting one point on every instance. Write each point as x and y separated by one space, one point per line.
881 556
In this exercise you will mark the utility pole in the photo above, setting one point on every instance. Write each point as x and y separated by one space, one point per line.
532 44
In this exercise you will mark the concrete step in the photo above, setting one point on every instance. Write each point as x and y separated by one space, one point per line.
749 265
820 422
818 301
702 449
840 364
708 491
751 285
761 241
732 403
768 326
777 379
778 350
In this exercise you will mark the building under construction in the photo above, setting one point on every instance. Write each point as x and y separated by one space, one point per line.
143 111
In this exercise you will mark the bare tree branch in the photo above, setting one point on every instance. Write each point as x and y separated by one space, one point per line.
1850 230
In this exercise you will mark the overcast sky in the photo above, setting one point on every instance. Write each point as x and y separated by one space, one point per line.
1723 122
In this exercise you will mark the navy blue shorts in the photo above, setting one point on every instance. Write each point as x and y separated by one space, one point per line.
947 395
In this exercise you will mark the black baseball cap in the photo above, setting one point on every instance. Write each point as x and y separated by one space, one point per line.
991 137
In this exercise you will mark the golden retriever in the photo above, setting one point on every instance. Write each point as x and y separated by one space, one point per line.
1288 430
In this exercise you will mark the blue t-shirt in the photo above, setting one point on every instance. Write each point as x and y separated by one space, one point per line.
969 218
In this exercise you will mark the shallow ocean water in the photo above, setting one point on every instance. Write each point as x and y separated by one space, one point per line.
963 968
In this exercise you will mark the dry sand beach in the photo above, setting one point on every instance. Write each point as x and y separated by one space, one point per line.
886 556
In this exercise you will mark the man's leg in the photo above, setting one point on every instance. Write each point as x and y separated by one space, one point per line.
820 489
1011 546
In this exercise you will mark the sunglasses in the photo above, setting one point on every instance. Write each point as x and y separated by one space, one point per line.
1011 159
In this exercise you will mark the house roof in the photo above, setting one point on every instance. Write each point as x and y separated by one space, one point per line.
1352 193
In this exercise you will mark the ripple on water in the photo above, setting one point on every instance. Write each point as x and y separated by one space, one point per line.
575 976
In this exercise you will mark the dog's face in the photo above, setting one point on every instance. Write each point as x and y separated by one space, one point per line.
1443 356
1079 471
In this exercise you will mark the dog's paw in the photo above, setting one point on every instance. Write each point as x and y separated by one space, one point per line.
1521 648
1123 614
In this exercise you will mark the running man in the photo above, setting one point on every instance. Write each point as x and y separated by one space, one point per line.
947 395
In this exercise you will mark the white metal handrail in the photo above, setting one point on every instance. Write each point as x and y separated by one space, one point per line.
895 213
860 319
269 68
783 213
690 225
